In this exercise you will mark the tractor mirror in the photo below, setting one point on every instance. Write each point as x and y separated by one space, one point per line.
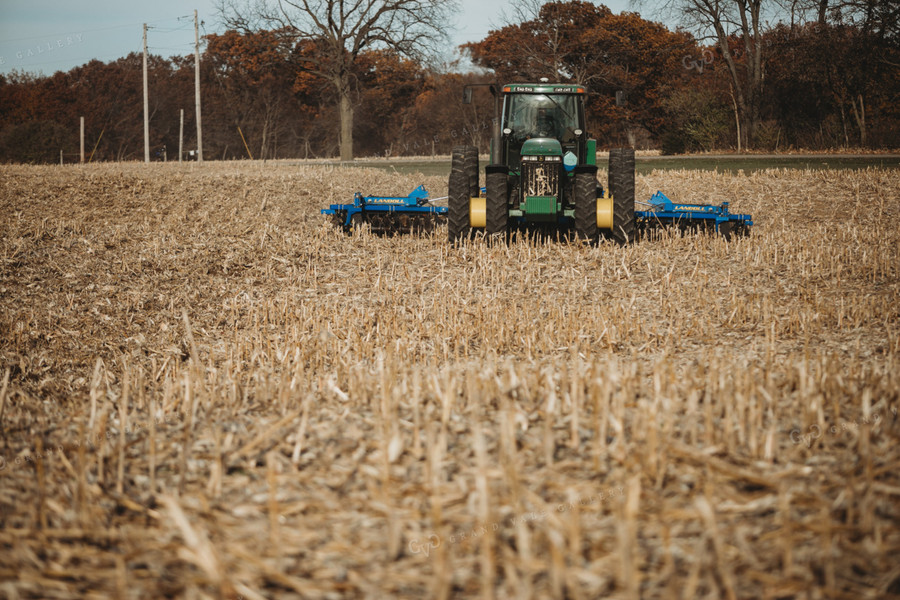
467 95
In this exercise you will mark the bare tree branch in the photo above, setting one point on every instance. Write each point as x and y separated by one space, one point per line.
342 31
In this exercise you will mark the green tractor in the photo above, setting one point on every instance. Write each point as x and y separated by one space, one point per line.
543 170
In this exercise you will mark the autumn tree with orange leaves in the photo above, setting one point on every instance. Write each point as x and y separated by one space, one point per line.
252 71
343 31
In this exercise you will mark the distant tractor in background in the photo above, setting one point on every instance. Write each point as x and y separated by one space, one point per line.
543 170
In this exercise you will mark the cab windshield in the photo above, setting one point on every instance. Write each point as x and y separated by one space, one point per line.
541 116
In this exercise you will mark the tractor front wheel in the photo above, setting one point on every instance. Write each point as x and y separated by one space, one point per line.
463 183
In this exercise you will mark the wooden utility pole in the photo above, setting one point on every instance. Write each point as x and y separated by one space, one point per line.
197 87
146 113
82 140
180 135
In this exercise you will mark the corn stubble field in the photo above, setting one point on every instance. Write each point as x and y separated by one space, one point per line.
209 392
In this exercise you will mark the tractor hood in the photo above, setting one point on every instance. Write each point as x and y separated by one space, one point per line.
541 147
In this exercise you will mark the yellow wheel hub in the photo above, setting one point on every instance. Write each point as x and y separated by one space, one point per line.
477 212
605 213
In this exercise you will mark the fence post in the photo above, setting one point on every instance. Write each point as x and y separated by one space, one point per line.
180 135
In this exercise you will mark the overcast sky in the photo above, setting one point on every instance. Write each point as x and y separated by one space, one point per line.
45 36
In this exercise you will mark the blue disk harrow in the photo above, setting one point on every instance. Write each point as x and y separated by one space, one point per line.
665 213
388 214
416 212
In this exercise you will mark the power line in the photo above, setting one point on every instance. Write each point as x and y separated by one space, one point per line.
184 24
46 35
185 27
179 48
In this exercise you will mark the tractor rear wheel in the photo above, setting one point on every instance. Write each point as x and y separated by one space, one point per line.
586 206
496 203
621 186
462 185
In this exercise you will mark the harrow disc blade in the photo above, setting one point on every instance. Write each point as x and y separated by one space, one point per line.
395 223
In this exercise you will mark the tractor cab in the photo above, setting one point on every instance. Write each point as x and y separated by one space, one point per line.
545 114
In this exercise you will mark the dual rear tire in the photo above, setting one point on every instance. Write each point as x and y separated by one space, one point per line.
463 185
621 188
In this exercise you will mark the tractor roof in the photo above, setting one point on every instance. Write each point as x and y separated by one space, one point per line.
543 88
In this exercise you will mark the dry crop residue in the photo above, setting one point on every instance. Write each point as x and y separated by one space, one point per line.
208 391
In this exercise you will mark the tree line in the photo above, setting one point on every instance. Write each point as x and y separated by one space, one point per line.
825 78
